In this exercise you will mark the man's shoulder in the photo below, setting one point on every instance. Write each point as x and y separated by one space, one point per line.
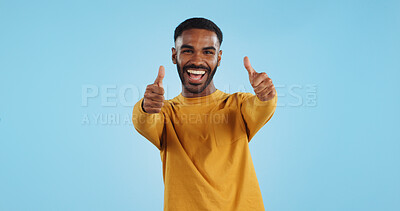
235 95
241 95
173 101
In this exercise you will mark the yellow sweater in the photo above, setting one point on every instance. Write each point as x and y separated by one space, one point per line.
204 149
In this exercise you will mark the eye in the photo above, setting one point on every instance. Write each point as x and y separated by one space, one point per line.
187 51
209 52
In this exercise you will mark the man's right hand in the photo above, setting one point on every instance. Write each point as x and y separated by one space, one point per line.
154 96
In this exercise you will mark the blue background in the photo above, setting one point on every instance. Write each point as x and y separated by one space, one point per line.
335 147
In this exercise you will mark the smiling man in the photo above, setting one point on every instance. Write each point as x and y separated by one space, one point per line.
203 134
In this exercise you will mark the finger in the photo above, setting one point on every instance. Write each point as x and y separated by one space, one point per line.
265 93
160 76
153 104
154 96
249 69
154 88
152 110
248 66
272 94
264 84
259 77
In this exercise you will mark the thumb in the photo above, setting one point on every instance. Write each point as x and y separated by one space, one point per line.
160 76
249 68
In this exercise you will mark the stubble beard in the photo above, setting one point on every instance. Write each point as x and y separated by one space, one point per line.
198 89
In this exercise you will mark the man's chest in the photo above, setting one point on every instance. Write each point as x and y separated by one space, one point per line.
207 128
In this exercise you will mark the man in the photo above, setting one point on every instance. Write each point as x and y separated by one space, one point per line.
203 133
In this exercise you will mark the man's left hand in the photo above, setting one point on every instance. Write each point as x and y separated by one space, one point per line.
261 83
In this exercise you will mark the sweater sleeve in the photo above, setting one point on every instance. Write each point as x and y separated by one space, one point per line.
151 126
256 113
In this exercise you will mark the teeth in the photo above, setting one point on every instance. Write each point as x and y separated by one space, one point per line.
197 72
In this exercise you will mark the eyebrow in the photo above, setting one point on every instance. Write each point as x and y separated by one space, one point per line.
209 48
191 47
187 46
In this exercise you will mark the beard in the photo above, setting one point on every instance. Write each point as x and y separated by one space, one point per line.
198 88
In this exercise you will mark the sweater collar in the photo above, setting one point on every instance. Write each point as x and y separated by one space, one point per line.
211 98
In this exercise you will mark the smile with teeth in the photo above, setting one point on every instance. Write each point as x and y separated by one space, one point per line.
197 72
196 75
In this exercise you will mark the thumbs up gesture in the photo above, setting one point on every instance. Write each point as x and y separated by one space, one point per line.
261 83
154 96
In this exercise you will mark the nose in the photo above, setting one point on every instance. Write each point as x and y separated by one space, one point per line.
197 59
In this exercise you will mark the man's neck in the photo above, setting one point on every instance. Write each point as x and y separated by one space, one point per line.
207 91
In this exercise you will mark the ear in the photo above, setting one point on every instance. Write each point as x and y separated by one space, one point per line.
219 56
173 55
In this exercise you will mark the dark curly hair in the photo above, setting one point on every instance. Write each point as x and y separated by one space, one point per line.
198 23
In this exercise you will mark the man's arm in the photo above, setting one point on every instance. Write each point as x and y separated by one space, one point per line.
148 116
258 109
256 113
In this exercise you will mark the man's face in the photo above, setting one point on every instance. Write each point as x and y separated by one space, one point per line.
197 56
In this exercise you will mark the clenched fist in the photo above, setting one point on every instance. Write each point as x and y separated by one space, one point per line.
154 96
261 83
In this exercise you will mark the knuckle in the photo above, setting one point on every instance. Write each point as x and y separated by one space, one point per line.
157 97
146 105
265 91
